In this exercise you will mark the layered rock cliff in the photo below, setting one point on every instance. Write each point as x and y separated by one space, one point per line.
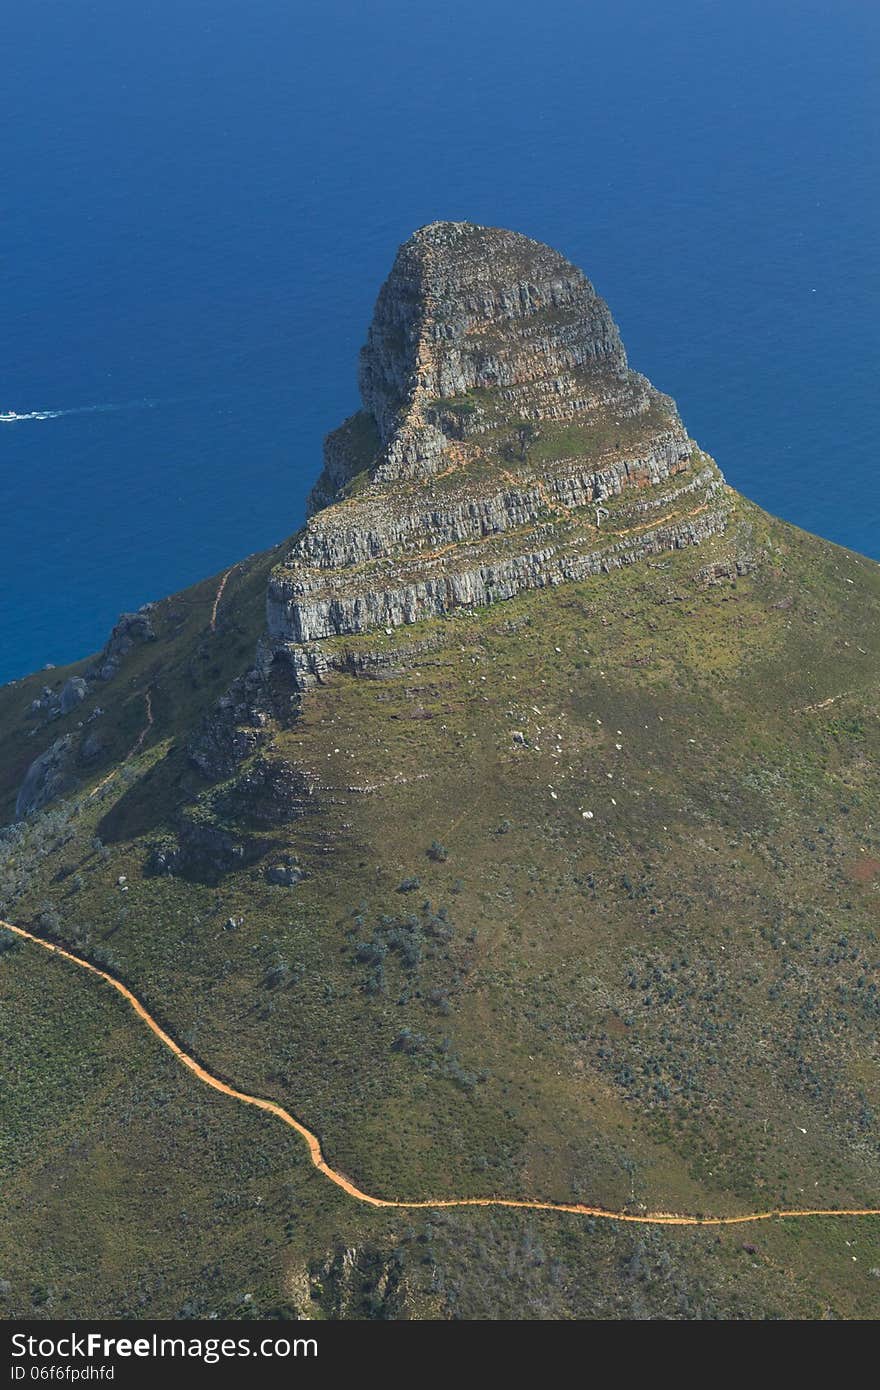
504 445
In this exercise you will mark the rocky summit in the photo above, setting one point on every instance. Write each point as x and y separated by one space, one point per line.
504 445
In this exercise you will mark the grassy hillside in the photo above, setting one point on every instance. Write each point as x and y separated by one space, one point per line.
186 665
589 912
130 1190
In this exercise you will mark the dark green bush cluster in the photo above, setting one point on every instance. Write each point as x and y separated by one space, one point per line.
9 943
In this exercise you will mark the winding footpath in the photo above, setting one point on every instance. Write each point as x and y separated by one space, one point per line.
219 594
134 749
316 1154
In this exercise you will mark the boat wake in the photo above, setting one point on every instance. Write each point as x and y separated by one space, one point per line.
14 417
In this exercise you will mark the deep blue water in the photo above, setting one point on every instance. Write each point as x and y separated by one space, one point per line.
200 199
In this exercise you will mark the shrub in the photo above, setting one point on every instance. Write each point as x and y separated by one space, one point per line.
9 943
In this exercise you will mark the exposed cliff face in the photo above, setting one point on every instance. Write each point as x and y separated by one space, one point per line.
429 589
474 308
505 445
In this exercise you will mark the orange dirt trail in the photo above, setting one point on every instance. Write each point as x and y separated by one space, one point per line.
136 746
218 596
659 1218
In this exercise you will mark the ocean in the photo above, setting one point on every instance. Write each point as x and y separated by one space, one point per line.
201 198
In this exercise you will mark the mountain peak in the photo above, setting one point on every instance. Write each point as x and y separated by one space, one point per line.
505 444
477 309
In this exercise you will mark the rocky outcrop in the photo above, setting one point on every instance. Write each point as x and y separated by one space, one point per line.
285 875
374 530
364 1282
238 726
348 452
73 693
93 746
130 630
468 308
47 777
435 594
52 704
204 850
270 791
505 445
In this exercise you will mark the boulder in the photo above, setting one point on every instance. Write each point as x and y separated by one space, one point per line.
285 875
92 747
46 778
73 693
